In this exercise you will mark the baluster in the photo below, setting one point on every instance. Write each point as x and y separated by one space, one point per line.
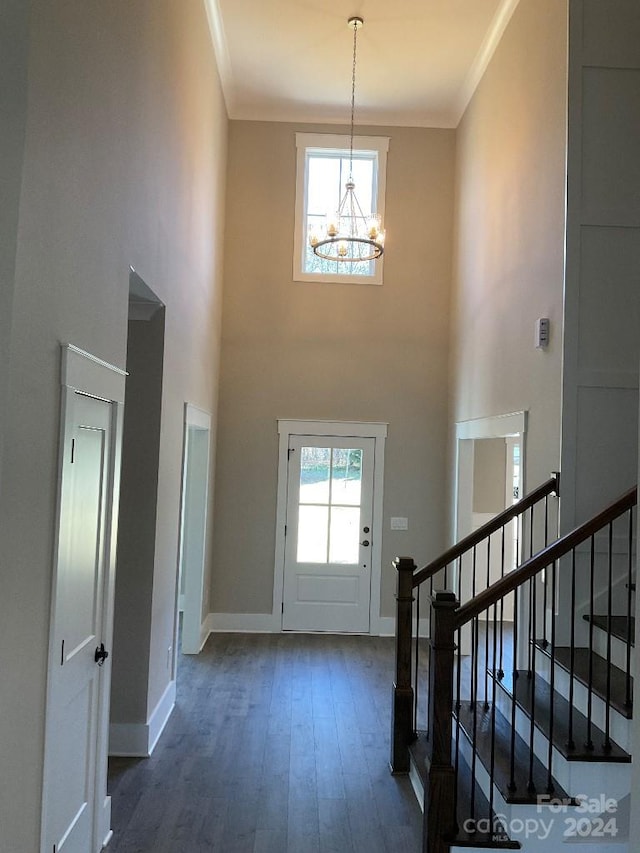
531 597
416 661
474 712
572 649
512 745
473 572
545 575
402 706
500 672
589 741
552 678
630 638
607 711
493 709
531 788
486 632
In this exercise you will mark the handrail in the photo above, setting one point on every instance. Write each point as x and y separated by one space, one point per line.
511 581
551 486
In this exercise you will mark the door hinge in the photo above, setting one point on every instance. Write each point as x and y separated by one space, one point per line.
73 449
62 655
289 452
285 530
282 609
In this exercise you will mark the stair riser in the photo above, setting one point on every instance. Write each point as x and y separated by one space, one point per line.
577 777
619 726
541 828
618 650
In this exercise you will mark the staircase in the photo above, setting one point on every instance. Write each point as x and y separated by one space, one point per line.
512 715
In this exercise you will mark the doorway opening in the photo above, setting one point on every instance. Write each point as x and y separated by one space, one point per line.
489 478
132 732
193 588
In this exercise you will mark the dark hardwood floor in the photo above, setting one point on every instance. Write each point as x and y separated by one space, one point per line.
279 743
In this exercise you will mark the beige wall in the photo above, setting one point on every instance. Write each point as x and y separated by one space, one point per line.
124 163
14 16
489 472
510 174
327 351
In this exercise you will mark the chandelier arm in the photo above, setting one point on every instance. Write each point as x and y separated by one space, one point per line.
376 250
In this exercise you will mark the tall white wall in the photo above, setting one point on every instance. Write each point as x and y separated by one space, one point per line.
124 161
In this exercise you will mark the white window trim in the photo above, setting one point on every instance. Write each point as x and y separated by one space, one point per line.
337 142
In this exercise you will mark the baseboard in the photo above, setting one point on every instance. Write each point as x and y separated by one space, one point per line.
243 623
267 623
387 627
138 740
161 713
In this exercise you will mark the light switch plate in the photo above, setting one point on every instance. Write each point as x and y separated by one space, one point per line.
399 523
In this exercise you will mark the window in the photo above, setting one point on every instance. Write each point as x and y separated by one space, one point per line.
322 171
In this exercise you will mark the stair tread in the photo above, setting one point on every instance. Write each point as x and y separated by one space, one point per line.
619 626
501 756
524 690
497 840
562 656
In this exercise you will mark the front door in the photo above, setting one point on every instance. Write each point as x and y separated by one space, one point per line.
76 680
327 574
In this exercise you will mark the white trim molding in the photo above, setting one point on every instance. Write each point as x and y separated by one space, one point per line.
221 50
495 426
243 623
88 374
483 57
332 143
138 740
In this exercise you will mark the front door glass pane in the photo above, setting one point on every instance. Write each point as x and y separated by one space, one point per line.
312 534
329 505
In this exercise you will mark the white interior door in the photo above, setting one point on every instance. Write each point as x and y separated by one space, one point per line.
327 571
77 674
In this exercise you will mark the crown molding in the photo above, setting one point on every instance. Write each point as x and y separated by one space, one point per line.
483 58
221 51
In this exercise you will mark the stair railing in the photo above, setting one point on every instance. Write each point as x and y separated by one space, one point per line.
467 567
597 557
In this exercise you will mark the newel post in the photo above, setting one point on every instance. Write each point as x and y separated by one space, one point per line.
439 792
402 706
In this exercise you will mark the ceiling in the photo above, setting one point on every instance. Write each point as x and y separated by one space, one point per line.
419 61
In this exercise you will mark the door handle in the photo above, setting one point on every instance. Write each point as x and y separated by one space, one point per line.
101 654
365 542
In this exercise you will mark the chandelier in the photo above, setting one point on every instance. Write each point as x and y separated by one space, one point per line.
349 235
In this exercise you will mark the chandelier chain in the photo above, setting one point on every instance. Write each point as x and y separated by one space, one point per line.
353 96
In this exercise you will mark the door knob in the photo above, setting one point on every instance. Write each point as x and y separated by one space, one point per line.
365 529
101 654
365 542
